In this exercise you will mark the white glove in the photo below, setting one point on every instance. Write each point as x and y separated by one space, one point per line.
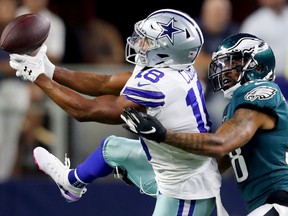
49 67
30 67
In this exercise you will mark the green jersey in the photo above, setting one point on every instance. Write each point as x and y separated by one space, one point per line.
261 166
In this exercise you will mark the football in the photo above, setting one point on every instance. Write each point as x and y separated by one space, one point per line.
25 33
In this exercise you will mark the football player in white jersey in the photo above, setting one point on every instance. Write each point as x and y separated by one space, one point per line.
164 84
253 136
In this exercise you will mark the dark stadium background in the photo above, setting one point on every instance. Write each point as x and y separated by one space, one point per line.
124 14
32 197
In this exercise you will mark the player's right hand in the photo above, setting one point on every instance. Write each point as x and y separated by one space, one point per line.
49 66
30 67
143 124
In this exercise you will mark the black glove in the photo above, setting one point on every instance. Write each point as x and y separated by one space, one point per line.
143 125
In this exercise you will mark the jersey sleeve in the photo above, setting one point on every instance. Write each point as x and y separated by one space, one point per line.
143 91
262 95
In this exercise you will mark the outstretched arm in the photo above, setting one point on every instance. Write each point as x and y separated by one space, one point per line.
88 83
231 135
103 109
91 83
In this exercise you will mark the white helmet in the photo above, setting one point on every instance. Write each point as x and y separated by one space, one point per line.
166 38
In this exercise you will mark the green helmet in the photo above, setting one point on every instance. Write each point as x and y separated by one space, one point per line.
255 60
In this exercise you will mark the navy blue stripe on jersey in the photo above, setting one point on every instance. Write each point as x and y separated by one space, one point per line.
191 100
145 148
209 123
145 98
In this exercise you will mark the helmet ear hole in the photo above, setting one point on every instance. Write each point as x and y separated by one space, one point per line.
163 55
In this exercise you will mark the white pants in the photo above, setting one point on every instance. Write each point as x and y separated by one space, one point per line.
129 155
262 210
14 102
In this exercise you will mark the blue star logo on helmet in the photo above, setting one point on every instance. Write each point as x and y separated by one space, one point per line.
169 30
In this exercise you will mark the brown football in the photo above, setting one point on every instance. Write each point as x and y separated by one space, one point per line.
25 33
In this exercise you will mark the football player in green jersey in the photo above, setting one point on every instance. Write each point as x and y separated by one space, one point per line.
254 133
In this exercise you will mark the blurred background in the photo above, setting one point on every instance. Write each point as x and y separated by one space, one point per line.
91 35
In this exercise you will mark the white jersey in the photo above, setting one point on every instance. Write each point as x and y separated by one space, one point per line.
175 97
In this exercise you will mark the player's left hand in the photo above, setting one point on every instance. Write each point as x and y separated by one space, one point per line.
143 124
29 67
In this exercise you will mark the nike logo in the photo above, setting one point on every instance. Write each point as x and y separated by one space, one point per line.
149 132
142 84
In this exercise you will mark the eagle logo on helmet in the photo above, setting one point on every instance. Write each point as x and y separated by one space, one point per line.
260 93
169 30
